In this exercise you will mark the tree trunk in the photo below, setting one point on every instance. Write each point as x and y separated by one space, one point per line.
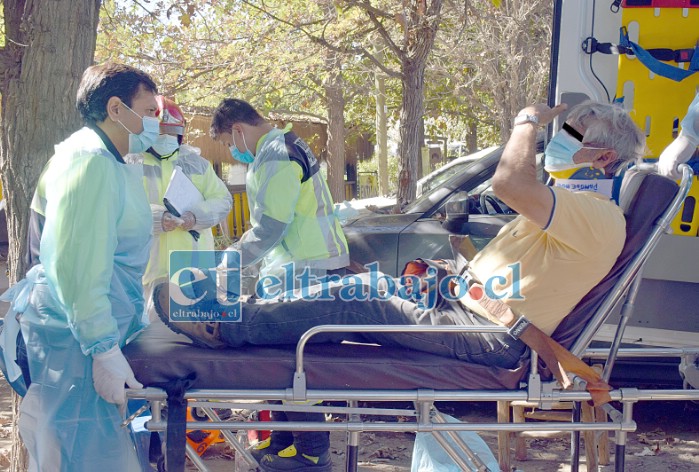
381 132
336 128
472 136
48 45
410 116
421 20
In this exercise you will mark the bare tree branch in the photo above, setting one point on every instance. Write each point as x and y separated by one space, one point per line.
372 14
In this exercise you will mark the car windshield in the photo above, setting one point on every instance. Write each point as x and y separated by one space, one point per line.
444 173
456 149
469 177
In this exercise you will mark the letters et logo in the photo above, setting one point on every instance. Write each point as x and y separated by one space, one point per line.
204 286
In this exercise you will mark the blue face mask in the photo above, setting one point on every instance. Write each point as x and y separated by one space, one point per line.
151 130
560 151
244 157
166 145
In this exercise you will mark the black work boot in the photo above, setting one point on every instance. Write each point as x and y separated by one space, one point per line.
202 333
310 451
277 441
291 460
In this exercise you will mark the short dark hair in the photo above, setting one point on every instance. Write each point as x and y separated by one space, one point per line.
231 111
104 81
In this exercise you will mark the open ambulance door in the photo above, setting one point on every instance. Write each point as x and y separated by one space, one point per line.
641 54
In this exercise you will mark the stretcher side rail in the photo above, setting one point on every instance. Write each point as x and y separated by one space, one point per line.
636 352
299 385
154 394
423 401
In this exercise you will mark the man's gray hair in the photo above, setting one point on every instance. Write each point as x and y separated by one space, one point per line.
609 125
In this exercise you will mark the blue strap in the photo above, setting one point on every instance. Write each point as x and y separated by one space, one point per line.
658 67
616 186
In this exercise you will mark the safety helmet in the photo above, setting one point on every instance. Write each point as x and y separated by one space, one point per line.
170 115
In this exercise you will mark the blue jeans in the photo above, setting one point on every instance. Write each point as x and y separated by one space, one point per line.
285 322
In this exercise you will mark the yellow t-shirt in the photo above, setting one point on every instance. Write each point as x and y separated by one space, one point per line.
543 273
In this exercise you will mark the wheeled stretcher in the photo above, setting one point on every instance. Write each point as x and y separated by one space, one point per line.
174 371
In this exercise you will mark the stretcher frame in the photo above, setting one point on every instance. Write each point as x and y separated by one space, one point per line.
537 389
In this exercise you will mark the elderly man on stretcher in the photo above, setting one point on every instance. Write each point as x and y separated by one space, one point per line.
564 241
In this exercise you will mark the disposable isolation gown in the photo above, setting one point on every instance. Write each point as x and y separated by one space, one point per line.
291 209
95 229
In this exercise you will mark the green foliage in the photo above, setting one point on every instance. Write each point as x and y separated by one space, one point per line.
275 54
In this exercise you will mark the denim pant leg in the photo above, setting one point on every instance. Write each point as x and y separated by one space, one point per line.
285 322
497 349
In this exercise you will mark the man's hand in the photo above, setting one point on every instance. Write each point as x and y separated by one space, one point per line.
545 113
110 371
189 220
170 221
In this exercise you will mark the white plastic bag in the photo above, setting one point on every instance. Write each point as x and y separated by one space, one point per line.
429 456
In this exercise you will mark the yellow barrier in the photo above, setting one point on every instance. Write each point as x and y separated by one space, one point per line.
239 217
238 220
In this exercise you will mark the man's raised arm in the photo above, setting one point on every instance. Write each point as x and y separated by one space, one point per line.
515 181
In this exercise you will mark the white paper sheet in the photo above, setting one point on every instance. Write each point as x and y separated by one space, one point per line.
181 193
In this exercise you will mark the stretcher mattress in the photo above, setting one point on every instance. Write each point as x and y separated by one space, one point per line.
159 356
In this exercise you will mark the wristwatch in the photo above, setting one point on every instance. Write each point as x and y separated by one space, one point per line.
526 118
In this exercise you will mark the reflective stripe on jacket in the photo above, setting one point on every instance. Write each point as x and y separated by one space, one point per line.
291 209
215 207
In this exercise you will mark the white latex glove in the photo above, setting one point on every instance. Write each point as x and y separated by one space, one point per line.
678 152
170 222
110 371
682 148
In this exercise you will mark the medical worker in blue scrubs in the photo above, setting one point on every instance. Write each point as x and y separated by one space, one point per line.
89 237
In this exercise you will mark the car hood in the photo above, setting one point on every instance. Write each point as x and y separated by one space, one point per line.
350 211
368 219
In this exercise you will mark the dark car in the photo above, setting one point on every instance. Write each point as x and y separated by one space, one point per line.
463 204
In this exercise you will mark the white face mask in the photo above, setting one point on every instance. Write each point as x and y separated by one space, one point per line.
166 145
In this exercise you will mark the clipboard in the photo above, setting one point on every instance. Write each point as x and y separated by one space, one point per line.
181 196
